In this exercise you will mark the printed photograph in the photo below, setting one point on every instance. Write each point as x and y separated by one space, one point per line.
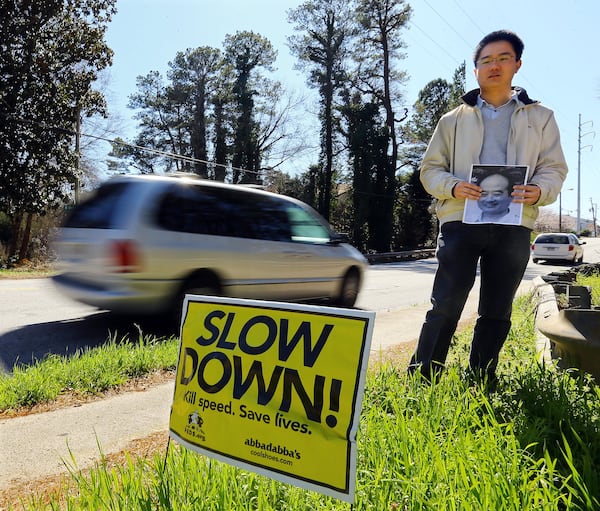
495 206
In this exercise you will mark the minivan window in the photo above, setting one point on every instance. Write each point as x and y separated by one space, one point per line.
98 211
306 227
260 217
189 209
223 212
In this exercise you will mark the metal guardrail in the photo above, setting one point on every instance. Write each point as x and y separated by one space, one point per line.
406 255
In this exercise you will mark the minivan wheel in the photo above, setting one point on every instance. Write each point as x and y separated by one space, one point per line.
200 289
349 290
200 285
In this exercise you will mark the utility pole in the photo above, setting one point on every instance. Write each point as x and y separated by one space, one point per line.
579 148
593 209
560 211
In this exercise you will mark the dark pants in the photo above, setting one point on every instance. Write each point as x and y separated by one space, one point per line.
503 253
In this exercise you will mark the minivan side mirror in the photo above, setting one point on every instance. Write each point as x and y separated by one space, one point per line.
339 237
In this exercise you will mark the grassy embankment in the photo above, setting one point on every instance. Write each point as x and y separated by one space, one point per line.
533 443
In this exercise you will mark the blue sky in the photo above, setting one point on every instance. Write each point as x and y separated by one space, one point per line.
560 62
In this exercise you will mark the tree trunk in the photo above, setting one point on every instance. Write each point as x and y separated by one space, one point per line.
26 237
220 141
16 230
198 131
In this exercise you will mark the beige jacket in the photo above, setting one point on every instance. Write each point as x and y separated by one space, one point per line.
534 140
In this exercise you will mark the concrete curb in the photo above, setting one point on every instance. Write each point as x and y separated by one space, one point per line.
546 308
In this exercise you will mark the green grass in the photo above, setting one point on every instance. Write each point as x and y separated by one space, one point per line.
87 372
28 271
533 443
593 281
448 446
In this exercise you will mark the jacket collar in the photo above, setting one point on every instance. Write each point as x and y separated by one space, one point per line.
470 98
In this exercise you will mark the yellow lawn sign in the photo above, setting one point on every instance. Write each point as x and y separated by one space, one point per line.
274 388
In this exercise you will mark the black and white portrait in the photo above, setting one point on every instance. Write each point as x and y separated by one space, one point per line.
495 206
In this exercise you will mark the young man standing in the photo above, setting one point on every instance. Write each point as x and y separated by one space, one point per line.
497 124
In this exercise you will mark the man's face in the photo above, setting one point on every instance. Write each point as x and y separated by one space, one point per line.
495 196
496 65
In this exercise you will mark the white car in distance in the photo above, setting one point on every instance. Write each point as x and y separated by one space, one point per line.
562 246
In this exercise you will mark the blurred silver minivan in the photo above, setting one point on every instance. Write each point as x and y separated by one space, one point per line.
138 244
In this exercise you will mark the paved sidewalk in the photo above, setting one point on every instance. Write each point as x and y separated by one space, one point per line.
38 445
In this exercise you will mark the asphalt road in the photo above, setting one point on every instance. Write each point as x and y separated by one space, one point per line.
36 321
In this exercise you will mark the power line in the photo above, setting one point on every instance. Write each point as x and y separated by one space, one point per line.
469 17
167 154
159 152
449 25
434 42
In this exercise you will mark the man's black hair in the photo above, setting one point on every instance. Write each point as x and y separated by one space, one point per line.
500 35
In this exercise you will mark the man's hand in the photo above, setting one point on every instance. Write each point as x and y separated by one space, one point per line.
466 190
526 194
